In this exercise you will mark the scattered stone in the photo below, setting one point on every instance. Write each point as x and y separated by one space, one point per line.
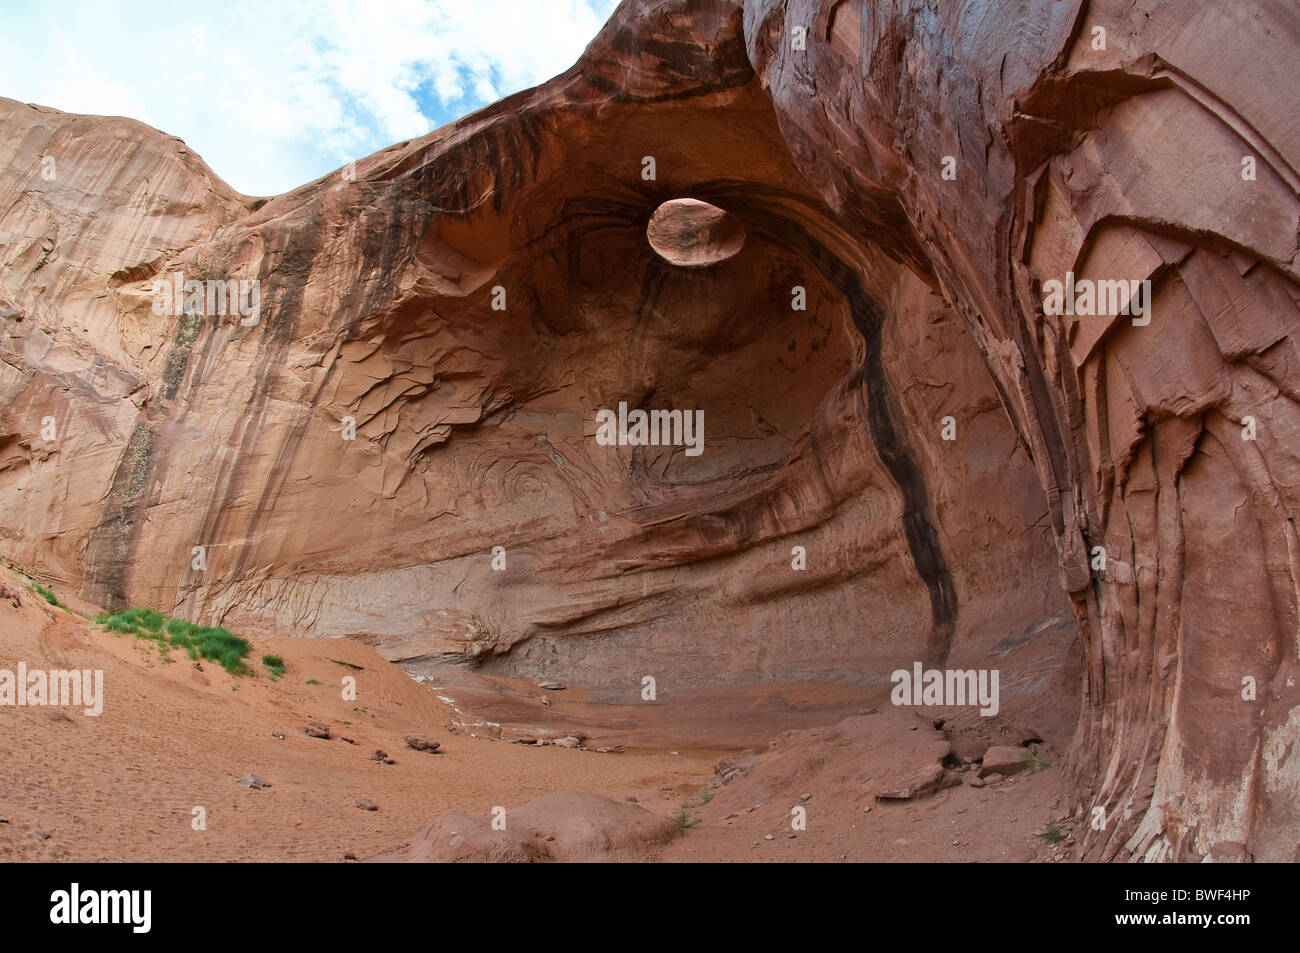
421 743
922 781
253 782
805 797
867 809
1004 760
279 735
526 741
197 666
390 761
610 749
992 778
378 755
316 730
566 742
366 804
348 740
44 835
349 856
974 780
768 837
552 686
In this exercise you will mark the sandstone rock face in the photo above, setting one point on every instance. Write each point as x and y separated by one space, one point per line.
905 456
469 302
1113 141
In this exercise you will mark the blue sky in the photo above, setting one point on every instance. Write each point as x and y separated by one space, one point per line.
275 94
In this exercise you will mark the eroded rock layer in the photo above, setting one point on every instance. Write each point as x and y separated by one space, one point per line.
878 380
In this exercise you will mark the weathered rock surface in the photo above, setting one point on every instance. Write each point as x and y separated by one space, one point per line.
1004 760
824 427
1149 150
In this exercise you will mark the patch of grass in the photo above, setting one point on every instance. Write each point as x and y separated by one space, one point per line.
199 641
145 622
1052 835
48 596
684 820
274 664
1037 763
312 681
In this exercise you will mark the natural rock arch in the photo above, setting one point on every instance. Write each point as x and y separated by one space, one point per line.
922 302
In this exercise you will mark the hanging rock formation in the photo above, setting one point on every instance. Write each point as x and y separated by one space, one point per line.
905 455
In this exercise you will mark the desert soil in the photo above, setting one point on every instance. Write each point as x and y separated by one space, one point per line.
174 736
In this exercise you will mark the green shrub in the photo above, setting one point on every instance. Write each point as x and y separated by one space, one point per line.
200 641
274 664
48 596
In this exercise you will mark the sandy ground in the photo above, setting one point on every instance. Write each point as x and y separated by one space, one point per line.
172 738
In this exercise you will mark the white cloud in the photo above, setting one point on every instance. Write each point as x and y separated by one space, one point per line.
274 95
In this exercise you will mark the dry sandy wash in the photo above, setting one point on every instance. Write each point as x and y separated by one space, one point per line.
914 449
173 736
